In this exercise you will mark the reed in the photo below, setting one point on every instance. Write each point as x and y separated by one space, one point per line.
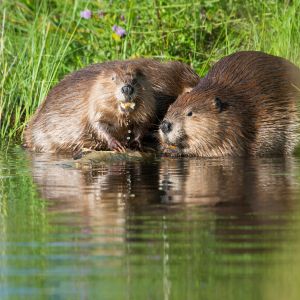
41 41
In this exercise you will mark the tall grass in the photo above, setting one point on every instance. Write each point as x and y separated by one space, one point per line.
40 41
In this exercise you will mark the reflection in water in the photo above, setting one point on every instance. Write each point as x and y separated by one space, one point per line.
168 228
217 182
248 197
102 195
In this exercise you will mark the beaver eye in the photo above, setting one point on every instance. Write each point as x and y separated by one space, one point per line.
134 81
220 105
113 78
139 73
189 114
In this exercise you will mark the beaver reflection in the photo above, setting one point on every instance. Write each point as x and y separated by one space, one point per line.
115 195
259 183
223 185
97 200
105 189
245 197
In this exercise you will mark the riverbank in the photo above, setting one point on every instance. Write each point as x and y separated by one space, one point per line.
40 43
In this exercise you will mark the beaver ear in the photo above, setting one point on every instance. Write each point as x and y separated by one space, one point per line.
139 73
220 105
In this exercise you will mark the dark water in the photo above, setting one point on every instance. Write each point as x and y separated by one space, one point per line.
161 229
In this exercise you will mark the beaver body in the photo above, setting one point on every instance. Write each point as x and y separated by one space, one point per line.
104 105
246 105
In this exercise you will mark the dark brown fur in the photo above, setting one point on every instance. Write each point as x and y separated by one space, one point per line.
82 111
246 105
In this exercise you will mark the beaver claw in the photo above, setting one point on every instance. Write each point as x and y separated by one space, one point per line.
116 146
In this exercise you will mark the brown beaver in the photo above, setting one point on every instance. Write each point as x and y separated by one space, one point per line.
246 105
104 105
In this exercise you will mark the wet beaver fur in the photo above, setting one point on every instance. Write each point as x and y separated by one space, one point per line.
107 106
246 105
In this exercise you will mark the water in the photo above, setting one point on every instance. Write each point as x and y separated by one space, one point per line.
160 229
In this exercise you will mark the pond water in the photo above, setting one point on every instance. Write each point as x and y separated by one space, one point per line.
155 229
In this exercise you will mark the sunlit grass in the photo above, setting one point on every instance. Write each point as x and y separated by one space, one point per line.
40 41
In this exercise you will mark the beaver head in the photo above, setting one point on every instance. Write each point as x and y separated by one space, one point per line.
129 83
203 122
119 95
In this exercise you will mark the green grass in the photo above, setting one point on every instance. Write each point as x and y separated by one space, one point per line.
41 41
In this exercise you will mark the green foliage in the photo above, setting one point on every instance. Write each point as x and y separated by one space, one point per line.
41 41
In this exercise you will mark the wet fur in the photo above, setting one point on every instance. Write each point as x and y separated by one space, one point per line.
70 117
260 117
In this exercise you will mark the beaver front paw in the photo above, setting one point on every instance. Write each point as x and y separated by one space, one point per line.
115 145
135 145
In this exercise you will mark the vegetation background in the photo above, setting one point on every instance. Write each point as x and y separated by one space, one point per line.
42 40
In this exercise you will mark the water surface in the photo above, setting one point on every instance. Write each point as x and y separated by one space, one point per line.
155 229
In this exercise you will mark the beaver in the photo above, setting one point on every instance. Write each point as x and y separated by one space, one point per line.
246 105
103 105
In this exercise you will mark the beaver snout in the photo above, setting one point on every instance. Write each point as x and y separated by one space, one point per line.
166 127
127 90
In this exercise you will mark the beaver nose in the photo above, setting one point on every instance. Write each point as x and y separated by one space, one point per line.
127 89
165 126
